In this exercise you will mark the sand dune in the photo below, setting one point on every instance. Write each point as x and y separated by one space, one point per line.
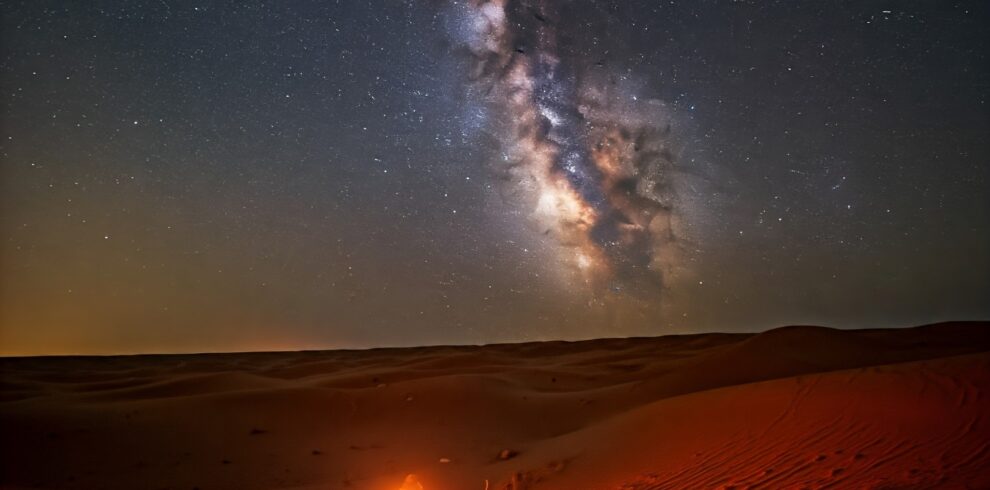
796 407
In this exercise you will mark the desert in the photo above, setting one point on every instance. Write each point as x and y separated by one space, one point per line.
794 407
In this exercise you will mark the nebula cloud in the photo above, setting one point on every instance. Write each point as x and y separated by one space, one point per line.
594 164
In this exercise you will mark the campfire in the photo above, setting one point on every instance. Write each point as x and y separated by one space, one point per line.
411 483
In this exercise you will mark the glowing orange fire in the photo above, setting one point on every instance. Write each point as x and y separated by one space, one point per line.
411 483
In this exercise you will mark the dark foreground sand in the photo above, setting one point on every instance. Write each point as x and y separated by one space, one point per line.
796 407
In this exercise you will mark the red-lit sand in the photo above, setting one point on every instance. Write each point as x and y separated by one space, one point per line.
798 407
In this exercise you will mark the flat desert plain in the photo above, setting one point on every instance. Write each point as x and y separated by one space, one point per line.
794 407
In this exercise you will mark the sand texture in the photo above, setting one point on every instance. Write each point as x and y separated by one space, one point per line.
795 407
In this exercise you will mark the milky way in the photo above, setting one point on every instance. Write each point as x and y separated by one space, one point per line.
595 163
196 176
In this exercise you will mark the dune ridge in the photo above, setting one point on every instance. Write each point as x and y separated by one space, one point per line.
794 407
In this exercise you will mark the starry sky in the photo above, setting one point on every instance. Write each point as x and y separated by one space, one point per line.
184 176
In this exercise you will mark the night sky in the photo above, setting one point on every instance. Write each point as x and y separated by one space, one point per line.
213 176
